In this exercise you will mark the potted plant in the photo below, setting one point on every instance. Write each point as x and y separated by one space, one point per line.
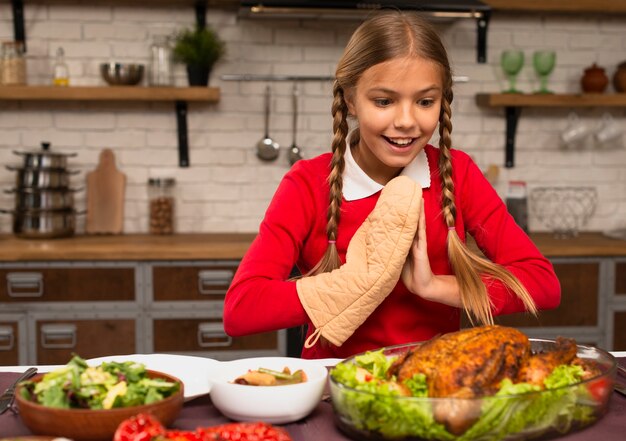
199 48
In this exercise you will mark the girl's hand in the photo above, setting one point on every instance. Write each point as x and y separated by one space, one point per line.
419 278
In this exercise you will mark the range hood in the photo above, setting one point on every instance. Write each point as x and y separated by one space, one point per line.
360 9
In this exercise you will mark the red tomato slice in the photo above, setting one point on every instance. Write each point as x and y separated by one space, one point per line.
142 427
599 389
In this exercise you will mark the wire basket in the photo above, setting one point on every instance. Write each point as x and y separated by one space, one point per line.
563 210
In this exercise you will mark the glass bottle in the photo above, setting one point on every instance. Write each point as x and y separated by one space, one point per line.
517 203
161 206
160 62
13 63
61 75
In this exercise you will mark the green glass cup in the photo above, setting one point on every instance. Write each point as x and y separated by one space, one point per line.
544 62
512 62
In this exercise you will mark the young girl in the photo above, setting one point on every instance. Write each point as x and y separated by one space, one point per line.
394 79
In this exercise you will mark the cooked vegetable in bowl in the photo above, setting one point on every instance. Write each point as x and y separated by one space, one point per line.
270 377
489 383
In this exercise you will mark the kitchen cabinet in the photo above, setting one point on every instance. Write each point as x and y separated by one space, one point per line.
96 308
175 304
593 304
514 102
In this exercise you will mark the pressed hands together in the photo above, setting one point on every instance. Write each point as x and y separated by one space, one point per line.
391 244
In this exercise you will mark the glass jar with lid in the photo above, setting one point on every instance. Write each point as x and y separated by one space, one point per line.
13 63
161 195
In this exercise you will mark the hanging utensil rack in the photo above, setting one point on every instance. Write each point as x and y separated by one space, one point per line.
269 77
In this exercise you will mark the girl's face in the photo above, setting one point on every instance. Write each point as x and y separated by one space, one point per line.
397 104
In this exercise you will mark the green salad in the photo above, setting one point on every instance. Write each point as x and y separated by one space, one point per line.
371 404
79 386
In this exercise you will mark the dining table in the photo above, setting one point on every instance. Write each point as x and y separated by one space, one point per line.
320 424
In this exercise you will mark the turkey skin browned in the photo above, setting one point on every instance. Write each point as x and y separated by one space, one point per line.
472 362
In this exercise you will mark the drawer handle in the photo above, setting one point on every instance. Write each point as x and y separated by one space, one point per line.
212 335
7 338
58 336
214 281
25 284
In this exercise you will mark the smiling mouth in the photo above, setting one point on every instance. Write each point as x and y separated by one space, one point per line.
400 142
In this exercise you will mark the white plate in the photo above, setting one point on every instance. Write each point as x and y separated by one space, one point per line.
194 372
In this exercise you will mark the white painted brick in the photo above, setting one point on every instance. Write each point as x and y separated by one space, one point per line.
93 13
54 30
106 31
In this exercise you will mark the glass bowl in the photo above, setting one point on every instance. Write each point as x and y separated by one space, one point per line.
548 413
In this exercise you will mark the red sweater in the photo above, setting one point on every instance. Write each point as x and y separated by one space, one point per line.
293 232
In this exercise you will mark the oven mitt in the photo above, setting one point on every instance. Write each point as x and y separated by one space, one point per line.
338 302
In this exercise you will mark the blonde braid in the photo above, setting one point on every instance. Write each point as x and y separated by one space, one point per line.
466 265
339 110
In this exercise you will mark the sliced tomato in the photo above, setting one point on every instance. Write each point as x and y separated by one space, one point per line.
141 427
599 389
245 432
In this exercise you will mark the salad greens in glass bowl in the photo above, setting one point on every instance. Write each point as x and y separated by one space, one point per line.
84 402
371 404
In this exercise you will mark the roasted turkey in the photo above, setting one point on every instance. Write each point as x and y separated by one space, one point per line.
472 362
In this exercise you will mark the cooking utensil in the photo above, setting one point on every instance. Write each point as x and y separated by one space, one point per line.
295 153
267 149
106 186
42 177
44 158
43 224
122 74
43 198
7 397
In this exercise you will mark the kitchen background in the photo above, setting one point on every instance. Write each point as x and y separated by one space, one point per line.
227 188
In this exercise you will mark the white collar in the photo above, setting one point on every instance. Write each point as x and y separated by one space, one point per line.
358 185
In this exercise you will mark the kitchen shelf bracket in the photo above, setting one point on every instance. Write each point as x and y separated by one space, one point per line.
18 21
183 142
200 7
482 25
512 117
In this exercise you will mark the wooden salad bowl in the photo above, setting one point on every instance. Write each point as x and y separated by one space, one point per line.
94 425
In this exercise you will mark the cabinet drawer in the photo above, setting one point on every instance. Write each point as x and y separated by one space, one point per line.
619 331
579 299
58 339
201 335
620 279
191 283
67 284
9 343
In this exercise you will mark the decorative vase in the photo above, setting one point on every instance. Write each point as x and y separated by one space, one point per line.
594 80
619 78
198 75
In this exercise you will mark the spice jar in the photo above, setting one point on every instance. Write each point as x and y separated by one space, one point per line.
13 63
161 196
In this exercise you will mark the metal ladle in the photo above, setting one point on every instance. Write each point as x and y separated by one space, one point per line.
295 153
267 149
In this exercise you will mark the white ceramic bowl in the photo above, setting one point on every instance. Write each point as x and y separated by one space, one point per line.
271 404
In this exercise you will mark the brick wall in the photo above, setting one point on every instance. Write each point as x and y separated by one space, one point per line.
227 188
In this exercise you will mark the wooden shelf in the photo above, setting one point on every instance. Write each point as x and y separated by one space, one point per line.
579 6
549 100
178 95
514 102
109 93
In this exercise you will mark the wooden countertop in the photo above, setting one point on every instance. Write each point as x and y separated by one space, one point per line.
137 247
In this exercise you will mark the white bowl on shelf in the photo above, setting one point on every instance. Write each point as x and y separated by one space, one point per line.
271 404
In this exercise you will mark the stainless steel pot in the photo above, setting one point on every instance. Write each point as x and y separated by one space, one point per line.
44 158
43 224
43 198
41 177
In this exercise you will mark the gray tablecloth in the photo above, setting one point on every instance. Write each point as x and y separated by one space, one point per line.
319 425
